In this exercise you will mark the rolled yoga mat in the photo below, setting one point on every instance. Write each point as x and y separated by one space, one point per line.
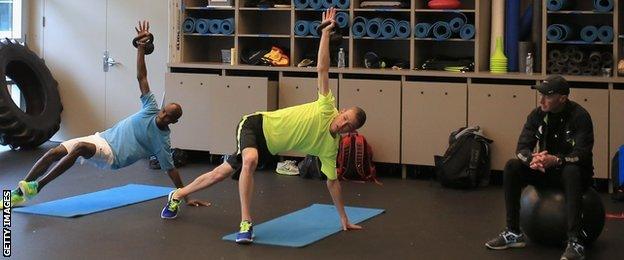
302 28
388 28
467 32
227 26
301 4
525 23
327 3
441 30
214 26
558 32
512 30
605 34
342 19
556 5
201 26
403 30
589 33
342 4
359 27
313 27
456 24
536 32
373 28
189 25
316 4
422 30
498 24
603 5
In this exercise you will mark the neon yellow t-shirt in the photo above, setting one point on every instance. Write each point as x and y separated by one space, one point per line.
305 128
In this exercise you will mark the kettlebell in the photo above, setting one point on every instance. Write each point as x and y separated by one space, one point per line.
149 44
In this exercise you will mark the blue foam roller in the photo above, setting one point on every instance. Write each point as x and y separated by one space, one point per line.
327 3
388 28
316 4
342 4
201 26
556 5
512 36
302 28
441 30
403 29
589 33
373 28
189 25
603 5
342 19
526 22
227 26
456 24
313 27
301 4
422 30
605 33
467 32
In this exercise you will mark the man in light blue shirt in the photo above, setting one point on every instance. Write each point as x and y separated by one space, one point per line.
137 137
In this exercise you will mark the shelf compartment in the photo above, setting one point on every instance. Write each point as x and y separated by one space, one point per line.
254 22
391 50
206 49
307 48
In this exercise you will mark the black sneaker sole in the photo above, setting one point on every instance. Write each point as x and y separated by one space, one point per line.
512 245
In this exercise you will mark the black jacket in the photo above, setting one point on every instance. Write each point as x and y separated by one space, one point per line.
568 135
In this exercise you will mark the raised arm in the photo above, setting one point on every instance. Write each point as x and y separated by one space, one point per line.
142 31
322 67
336 193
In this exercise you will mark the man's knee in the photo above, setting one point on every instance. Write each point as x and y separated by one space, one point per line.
250 162
571 174
513 166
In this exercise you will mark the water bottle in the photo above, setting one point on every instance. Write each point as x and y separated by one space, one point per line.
341 58
529 64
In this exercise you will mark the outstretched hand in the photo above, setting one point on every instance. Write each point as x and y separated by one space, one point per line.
328 16
142 32
349 226
197 203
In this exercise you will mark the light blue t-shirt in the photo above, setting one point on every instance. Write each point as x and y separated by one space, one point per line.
138 137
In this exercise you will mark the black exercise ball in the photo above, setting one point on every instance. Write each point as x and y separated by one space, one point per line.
543 215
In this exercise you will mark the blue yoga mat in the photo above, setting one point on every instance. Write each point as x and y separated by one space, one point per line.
306 226
512 36
403 30
603 5
422 30
556 5
314 27
589 33
621 162
316 4
342 4
97 201
373 28
605 33
302 28
388 28
342 19
227 26
189 25
201 26
301 4
441 30
467 32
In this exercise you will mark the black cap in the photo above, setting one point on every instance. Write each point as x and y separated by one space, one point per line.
553 84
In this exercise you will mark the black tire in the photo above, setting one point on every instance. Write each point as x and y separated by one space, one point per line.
19 129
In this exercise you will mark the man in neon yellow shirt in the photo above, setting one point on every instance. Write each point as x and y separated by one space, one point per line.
312 128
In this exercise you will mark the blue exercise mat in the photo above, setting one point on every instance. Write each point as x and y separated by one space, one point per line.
97 201
306 226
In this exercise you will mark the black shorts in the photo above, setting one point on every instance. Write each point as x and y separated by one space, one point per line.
249 133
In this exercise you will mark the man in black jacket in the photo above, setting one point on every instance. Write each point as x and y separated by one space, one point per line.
563 132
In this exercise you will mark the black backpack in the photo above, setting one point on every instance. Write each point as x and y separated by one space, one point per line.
310 168
466 162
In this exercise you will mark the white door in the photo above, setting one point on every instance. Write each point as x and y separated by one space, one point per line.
74 37
122 88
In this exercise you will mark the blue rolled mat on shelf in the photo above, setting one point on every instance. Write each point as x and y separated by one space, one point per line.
558 32
526 21
359 27
316 4
373 28
302 28
441 30
301 4
313 27
227 26
403 29
589 33
512 36
422 30
327 3
467 32
388 28
201 26
214 26
605 34
456 24
556 5
189 25
342 4
603 5
342 19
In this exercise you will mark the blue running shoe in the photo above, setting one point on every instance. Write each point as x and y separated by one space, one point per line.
170 211
245 235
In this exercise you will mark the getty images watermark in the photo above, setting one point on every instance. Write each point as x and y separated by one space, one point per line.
6 223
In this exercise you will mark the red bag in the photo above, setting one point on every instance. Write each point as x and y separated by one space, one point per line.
355 159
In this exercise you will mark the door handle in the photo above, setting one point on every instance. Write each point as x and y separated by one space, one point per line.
108 61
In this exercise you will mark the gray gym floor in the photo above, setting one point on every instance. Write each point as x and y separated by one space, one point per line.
422 220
